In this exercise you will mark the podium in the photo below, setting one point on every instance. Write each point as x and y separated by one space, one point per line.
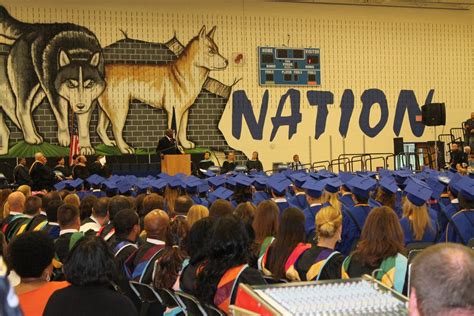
173 164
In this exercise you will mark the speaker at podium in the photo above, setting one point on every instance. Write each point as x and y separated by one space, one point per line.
173 164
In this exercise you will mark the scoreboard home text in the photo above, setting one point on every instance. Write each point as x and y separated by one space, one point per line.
289 66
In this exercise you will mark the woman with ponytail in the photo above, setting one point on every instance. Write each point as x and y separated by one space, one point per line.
173 259
321 261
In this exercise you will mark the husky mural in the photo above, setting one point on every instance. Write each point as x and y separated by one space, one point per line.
173 87
62 62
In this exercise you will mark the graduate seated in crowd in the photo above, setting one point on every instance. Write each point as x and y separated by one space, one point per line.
265 226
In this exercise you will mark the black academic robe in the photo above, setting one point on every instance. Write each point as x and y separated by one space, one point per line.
254 165
228 166
61 246
80 171
99 169
21 175
331 270
63 169
35 221
42 176
11 224
167 146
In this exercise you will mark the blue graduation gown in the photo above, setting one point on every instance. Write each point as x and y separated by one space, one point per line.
200 201
282 205
299 201
347 201
310 216
430 235
353 221
461 227
260 196
445 215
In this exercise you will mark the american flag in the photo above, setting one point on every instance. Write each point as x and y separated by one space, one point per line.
74 145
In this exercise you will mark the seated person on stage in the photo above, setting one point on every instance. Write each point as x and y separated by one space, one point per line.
61 167
229 164
441 281
42 176
382 227
21 174
206 162
167 145
99 167
91 271
254 163
322 262
419 223
460 228
31 256
80 170
69 222
139 266
279 259
296 164
226 269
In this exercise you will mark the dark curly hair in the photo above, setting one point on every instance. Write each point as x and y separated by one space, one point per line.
198 238
30 253
229 248
90 262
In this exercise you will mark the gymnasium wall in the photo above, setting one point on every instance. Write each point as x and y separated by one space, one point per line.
395 59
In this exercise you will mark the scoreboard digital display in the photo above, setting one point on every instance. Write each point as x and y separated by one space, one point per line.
289 66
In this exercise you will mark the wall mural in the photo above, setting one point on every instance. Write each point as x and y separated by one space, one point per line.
125 93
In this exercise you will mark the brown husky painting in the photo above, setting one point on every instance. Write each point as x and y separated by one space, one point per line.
173 86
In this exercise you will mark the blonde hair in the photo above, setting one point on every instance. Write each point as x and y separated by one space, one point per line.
72 199
328 221
170 198
25 189
418 217
332 198
195 213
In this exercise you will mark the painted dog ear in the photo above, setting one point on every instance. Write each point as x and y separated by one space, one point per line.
202 32
211 32
94 62
63 59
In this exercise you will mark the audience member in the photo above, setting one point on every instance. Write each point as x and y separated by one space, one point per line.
195 213
442 281
182 205
15 218
116 204
322 262
265 226
171 194
98 218
460 228
69 224
25 189
80 171
86 205
246 212
220 208
30 255
72 199
379 250
91 271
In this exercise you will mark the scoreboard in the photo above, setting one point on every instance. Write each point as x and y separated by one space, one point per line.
289 66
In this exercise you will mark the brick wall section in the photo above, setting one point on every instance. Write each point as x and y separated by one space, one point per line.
145 124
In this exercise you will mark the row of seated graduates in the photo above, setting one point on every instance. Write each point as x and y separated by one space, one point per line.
319 191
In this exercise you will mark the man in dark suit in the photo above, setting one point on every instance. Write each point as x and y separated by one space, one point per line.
21 174
42 176
167 144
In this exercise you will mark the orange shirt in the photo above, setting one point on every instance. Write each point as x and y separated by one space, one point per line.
32 303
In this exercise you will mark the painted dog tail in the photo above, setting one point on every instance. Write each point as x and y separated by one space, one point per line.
10 27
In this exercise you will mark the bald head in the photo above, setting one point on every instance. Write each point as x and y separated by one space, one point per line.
40 157
155 224
16 202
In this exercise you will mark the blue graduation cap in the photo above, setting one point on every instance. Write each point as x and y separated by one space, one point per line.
75 184
418 192
192 184
361 186
124 187
402 175
216 181
435 185
230 183
61 185
203 188
175 182
164 175
466 185
260 182
388 184
95 179
278 184
208 173
110 185
326 174
143 184
370 174
242 180
345 176
299 178
314 188
220 193
385 173
158 184
332 184
453 184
